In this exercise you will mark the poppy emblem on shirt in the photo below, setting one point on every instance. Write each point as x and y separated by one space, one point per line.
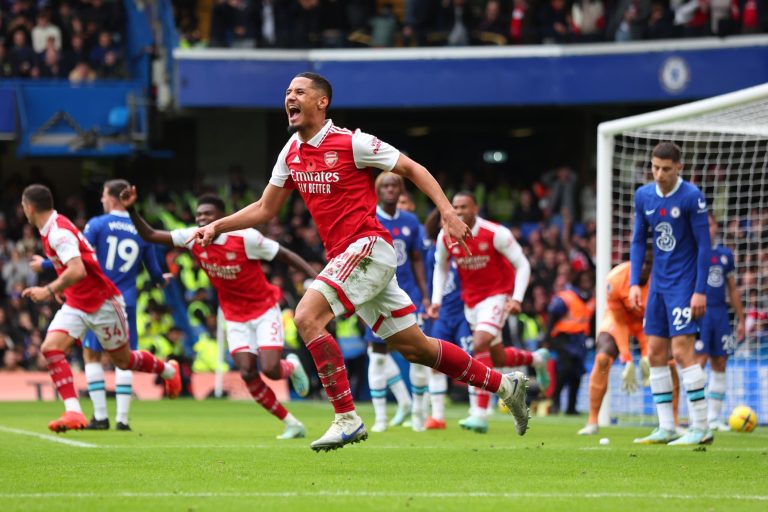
310 166
674 212
663 212
395 231
714 259
483 246
231 256
331 158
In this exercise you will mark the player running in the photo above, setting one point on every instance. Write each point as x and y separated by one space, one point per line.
383 371
93 303
249 303
494 275
716 337
332 169
120 252
450 325
675 212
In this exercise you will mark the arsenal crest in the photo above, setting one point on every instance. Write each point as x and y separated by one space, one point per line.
330 158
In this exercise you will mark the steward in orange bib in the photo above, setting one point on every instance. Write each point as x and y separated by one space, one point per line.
570 322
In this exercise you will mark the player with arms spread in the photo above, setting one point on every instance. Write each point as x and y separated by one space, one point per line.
494 275
675 212
249 303
121 252
332 169
93 303
717 341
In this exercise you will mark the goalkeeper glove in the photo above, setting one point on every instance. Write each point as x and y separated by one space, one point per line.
645 370
629 378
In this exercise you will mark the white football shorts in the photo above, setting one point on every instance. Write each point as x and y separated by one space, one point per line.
262 333
108 323
362 280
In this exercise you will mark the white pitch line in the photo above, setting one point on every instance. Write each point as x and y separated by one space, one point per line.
646 447
385 494
46 437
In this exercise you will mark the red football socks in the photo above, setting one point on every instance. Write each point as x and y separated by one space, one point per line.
516 357
264 395
61 373
332 372
142 361
286 369
457 364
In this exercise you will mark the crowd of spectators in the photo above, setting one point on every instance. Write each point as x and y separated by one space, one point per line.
79 40
403 23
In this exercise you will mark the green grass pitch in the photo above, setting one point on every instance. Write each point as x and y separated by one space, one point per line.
222 456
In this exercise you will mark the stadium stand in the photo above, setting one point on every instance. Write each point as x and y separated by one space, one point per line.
79 41
404 23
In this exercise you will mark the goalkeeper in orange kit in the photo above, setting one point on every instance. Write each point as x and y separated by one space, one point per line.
621 321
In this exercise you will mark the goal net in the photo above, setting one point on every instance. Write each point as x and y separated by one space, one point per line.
725 153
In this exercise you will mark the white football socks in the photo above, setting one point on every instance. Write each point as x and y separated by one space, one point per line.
94 375
661 387
716 396
694 381
123 393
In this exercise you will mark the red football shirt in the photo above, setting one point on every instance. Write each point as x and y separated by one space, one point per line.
232 264
488 270
333 173
62 242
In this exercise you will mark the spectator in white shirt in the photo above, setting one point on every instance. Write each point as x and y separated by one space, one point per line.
42 31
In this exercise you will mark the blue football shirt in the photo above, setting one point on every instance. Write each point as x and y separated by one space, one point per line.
721 266
679 226
407 237
121 251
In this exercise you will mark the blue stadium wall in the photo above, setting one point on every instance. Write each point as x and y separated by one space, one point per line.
590 74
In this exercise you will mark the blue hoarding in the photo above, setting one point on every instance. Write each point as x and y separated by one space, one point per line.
506 76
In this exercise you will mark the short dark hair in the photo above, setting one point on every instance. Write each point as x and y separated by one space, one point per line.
319 82
39 196
668 151
466 193
213 199
116 187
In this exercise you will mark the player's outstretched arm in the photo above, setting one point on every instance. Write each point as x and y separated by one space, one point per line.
128 199
252 215
453 227
292 259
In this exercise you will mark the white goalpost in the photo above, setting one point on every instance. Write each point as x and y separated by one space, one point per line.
725 153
